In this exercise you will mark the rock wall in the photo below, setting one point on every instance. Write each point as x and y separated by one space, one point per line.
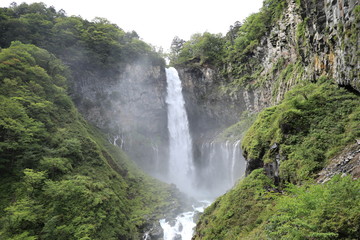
312 39
130 106
207 108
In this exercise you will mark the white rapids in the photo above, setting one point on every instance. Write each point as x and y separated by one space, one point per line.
184 224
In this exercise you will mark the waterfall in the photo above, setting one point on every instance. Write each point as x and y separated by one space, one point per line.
235 155
221 165
218 169
115 140
181 165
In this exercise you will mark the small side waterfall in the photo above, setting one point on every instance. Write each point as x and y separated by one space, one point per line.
221 164
181 166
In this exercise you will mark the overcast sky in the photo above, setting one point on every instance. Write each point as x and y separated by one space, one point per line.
158 21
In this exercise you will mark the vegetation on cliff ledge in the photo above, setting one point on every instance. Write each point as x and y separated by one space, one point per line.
254 209
313 122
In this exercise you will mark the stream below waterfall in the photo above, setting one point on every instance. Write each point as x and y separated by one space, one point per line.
182 227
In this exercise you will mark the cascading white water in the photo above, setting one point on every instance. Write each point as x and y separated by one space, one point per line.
222 164
235 156
184 224
219 163
181 165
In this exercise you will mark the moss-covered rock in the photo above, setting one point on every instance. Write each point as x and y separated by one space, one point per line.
312 123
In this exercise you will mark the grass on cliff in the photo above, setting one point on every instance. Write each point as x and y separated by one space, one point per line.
313 123
59 177
253 210
238 210
238 130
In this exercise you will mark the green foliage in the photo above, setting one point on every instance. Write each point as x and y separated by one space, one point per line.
288 75
237 212
59 177
313 123
96 46
255 27
329 211
253 210
201 49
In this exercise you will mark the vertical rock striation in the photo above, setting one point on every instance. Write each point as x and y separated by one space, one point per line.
131 107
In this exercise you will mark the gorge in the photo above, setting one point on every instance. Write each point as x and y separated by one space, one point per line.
263 123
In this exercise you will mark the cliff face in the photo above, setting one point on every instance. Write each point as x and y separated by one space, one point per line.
312 39
131 108
207 108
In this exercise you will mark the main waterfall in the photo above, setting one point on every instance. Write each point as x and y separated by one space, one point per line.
218 164
181 166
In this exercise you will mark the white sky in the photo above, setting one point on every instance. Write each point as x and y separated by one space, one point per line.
158 21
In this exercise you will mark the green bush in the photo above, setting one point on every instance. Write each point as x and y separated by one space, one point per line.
238 212
310 125
329 211
201 49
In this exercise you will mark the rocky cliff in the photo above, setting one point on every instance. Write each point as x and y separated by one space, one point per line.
131 107
312 39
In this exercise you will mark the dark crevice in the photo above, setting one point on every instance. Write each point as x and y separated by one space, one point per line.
350 88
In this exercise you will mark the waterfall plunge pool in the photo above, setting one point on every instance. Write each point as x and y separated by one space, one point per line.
182 227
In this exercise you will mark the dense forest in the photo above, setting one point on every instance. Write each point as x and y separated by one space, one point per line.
60 176
82 45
